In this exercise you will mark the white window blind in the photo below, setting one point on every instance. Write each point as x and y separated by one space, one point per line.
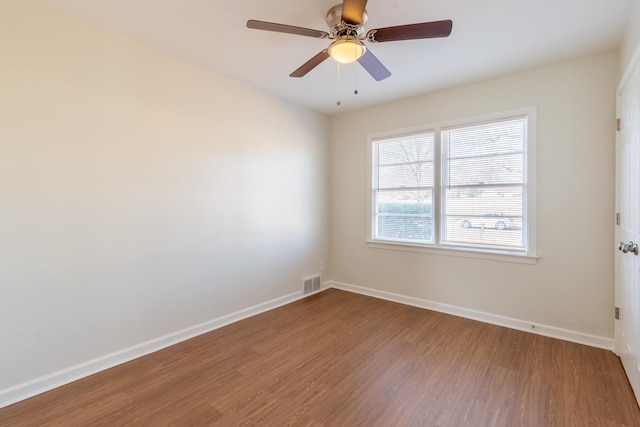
483 185
403 188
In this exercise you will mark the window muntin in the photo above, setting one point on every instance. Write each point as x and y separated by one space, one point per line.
470 185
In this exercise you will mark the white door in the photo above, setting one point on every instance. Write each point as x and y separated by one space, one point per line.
627 261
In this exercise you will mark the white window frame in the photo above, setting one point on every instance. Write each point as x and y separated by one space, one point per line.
430 188
529 256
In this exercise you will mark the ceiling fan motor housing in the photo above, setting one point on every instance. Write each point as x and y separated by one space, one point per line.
340 29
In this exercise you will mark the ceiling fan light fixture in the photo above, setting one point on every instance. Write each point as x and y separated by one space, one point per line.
346 51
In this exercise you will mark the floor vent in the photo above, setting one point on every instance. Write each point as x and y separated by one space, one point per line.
311 284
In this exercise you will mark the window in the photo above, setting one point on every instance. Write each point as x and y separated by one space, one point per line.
461 185
404 193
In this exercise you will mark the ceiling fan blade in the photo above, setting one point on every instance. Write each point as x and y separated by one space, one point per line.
373 66
352 11
310 64
288 29
424 30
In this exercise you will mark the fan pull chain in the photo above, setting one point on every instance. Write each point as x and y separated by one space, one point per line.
355 92
339 102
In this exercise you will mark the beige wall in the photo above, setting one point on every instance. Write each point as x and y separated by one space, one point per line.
631 39
571 286
140 195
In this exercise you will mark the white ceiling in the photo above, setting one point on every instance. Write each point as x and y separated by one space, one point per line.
489 38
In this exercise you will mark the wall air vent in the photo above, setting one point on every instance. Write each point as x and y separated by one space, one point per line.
311 284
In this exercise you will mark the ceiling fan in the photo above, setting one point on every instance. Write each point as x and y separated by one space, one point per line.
346 22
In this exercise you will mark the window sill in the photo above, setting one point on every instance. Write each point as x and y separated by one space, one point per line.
453 251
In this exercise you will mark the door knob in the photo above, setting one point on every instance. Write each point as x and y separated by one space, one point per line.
628 247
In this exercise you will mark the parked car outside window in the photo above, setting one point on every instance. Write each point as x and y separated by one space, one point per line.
497 221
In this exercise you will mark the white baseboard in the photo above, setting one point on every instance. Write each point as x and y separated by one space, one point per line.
48 382
508 322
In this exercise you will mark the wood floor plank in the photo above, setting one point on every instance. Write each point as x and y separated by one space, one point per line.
341 359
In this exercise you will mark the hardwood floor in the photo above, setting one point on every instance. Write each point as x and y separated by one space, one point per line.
341 359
